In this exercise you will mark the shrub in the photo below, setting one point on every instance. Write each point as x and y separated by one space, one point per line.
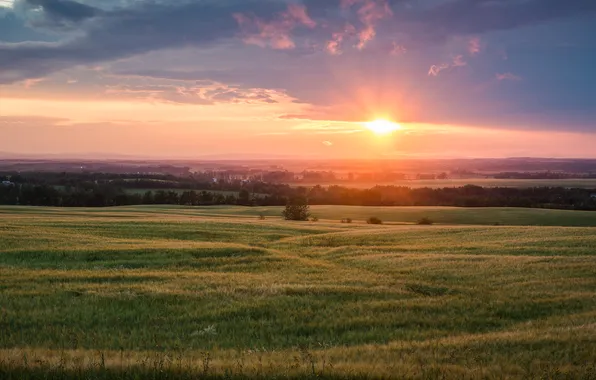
314 219
261 217
425 222
374 220
296 209
346 220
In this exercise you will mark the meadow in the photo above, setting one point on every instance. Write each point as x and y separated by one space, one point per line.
215 292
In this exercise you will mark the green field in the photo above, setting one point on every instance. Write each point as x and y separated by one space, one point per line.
214 292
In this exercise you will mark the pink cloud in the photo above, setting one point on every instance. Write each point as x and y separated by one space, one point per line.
398 49
275 33
28 83
457 61
474 46
369 13
298 13
508 76
334 45
436 69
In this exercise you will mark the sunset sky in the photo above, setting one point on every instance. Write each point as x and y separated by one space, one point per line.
298 78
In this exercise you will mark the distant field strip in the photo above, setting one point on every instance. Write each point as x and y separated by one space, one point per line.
239 214
216 292
589 183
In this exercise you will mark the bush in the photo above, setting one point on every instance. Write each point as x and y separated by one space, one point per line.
374 220
346 220
314 219
296 209
425 222
261 217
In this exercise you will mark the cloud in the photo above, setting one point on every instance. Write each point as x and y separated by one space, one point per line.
474 46
204 94
15 29
324 129
275 33
473 17
508 76
126 32
121 32
64 9
457 61
334 46
397 49
436 69
370 13
28 83
24 120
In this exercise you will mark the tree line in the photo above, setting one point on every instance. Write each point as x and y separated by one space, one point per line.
87 193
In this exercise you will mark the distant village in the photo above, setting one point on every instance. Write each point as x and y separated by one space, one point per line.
309 173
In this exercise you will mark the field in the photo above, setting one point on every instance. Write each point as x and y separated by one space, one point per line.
214 292
458 182
179 191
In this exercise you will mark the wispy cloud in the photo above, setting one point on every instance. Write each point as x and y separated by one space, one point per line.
474 46
508 76
28 83
334 46
370 13
274 33
436 69
457 61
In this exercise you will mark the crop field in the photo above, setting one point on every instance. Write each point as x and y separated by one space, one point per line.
458 182
155 292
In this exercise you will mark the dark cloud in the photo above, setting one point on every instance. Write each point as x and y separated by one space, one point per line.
126 32
145 27
464 17
65 9
15 29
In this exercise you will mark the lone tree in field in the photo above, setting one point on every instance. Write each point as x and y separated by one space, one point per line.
296 209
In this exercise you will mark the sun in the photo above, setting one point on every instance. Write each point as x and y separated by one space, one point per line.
382 126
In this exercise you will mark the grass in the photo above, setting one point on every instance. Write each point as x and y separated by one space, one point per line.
441 215
157 292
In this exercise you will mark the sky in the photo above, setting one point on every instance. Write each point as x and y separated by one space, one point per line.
298 78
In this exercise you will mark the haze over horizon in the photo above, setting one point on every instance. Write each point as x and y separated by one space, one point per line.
298 78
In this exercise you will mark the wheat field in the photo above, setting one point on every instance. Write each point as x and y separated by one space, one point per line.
174 292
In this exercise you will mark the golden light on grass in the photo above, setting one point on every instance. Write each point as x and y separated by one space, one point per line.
382 126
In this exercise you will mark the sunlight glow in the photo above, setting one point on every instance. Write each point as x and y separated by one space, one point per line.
382 126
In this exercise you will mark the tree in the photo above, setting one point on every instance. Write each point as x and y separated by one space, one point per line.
244 198
147 198
296 209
